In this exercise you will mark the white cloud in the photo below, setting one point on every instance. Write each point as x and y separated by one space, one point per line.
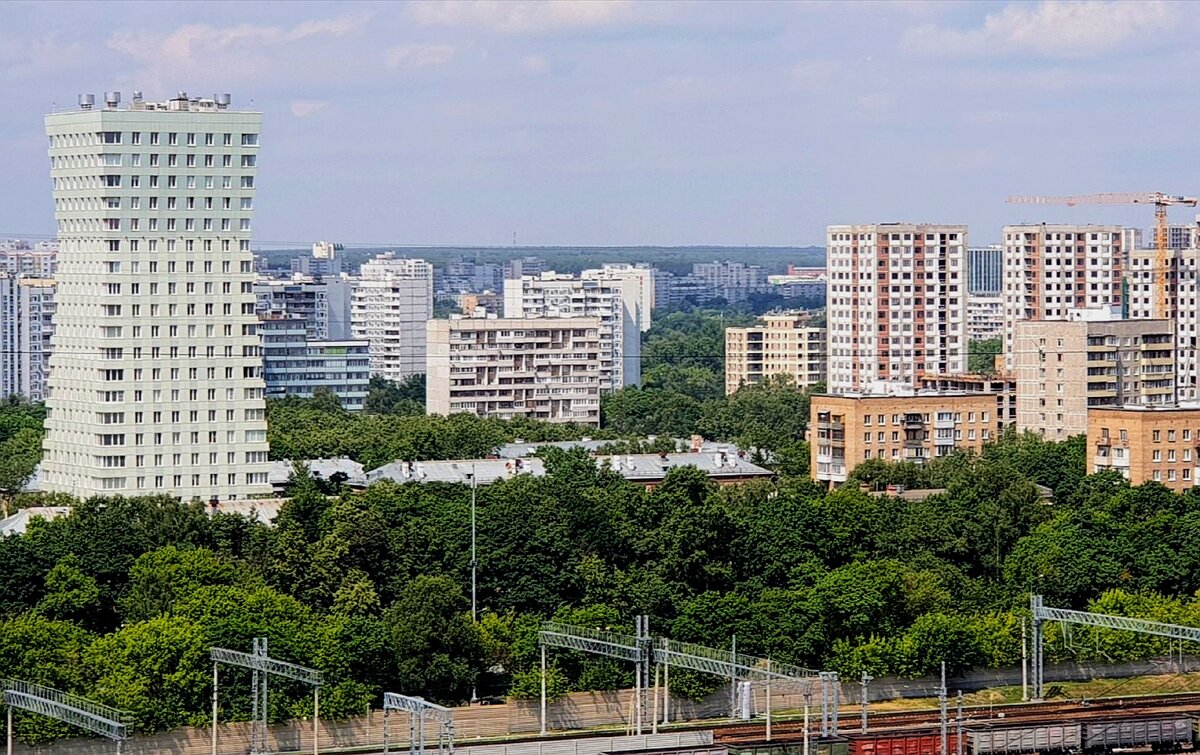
522 16
535 65
305 108
418 56
236 52
1052 28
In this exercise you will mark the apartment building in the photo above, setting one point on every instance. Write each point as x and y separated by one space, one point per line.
558 295
390 304
295 364
985 317
1059 272
1146 444
324 304
546 368
1183 308
637 289
38 261
26 326
782 344
849 429
155 382
1003 386
731 281
896 304
1065 368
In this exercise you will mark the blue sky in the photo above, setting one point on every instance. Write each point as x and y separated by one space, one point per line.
580 122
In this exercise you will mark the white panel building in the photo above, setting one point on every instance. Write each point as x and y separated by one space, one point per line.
557 295
546 368
389 307
896 304
155 381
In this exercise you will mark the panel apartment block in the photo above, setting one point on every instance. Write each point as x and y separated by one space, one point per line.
784 344
896 304
155 380
389 307
1053 272
26 326
850 429
558 295
1064 369
547 369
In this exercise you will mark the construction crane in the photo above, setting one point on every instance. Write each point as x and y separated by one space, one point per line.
1161 202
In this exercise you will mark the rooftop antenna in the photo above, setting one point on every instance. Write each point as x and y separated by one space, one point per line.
514 238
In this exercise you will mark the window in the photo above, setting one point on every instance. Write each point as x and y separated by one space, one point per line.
249 140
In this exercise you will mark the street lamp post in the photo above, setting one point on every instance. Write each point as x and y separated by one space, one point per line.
474 564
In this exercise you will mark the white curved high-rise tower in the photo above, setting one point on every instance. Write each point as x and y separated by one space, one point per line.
155 381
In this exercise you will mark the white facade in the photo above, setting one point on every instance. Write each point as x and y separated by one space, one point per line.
26 325
389 307
1182 276
553 295
155 381
732 281
896 304
547 369
985 317
1059 272
324 304
637 289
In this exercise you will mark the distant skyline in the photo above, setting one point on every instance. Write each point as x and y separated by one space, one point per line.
576 122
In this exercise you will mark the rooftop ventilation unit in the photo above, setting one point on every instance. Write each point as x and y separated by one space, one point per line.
86 101
111 100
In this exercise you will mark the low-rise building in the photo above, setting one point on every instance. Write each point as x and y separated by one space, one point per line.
545 368
1146 444
1064 368
783 344
1003 385
848 429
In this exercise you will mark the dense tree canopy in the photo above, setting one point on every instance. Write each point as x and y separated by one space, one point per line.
121 600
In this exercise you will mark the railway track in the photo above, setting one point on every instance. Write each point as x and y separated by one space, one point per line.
1016 713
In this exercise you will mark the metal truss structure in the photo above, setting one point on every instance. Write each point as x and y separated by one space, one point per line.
1043 613
263 667
419 711
63 706
641 650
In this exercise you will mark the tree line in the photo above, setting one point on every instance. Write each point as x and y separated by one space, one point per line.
121 600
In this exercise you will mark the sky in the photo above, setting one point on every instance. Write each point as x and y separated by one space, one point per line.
576 122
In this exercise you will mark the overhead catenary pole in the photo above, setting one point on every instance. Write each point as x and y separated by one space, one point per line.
768 699
317 718
543 690
1024 664
214 710
733 678
958 726
637 680
862 700
807 703
666 693
654 699
474 566
942 706
8 730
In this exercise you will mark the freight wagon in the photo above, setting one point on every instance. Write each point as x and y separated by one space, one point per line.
993 739
792 746
926 742
1161 734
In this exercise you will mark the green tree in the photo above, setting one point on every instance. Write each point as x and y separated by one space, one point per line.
163 576
981 355
438 649
70 595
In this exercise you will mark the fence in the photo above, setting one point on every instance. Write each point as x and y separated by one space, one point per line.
579 710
